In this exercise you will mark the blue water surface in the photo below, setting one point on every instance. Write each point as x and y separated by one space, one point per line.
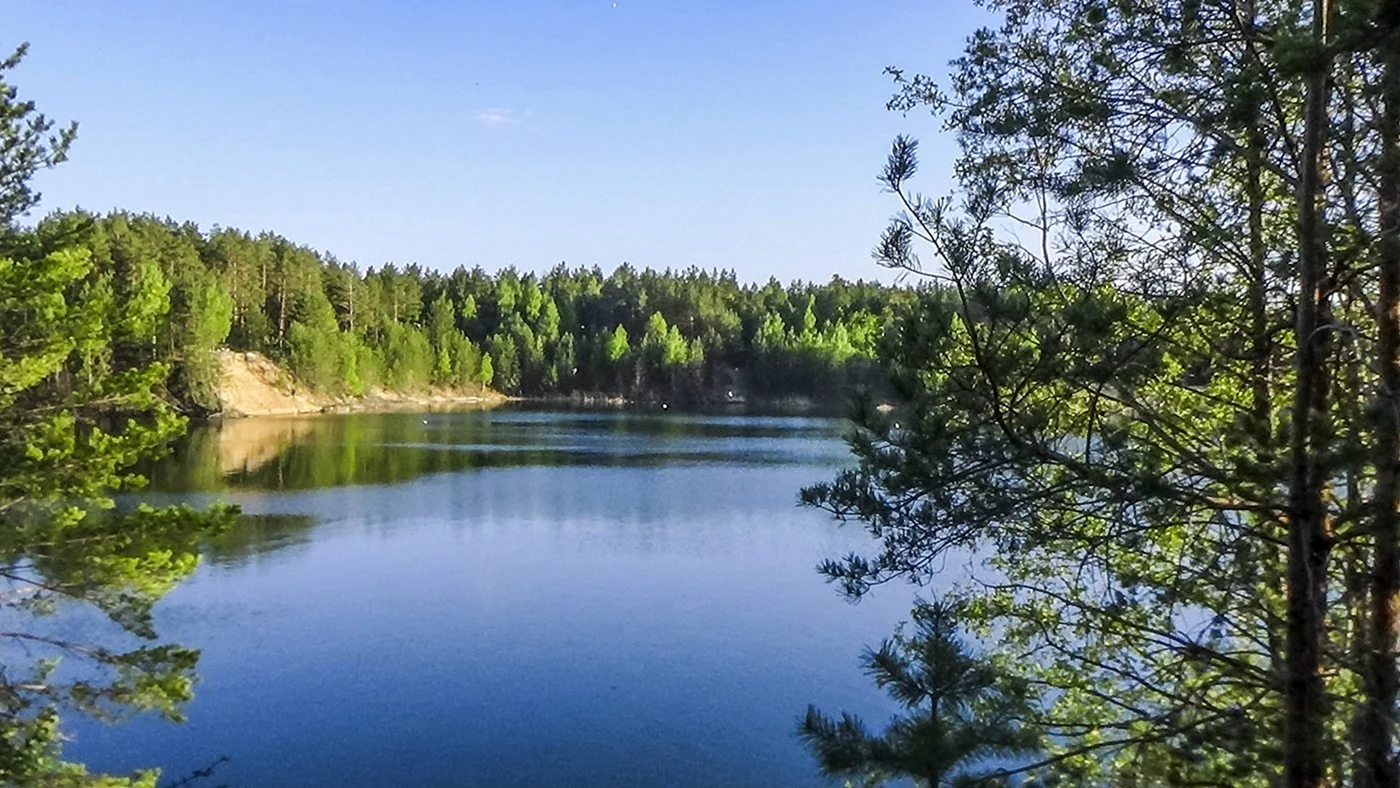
509 598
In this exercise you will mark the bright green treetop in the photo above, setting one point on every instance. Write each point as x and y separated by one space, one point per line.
79 404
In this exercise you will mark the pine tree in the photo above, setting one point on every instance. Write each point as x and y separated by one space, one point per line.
964 714
67 440
1166 390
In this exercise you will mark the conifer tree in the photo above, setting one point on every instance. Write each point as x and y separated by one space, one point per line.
68 439
964 720
1152 390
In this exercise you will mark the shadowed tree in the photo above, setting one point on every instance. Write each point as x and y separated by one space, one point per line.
30 144
68 438
964 715
1156 395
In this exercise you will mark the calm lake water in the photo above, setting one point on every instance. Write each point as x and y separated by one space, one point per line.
509 598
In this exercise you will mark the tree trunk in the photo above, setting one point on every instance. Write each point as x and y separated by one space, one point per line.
1261 404
1377 766
282 308
1309 537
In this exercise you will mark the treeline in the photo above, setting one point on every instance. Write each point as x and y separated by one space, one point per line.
690 337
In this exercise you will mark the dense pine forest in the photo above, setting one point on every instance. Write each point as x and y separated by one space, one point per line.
1139 447
691 337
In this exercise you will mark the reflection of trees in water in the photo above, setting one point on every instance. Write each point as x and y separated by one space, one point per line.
254 535
330 451
693 510
242 445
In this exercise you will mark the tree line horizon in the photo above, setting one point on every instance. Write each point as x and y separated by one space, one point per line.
1159 427
691 336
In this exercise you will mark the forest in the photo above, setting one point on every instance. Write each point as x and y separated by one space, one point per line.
1160 405
1146 397
690 337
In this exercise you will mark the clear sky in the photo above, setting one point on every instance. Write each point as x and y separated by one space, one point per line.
742 135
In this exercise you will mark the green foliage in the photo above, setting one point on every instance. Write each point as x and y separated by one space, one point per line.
66 440
81 325
1148 395
29 144
456 360
408 357
177 294
202 315
309 355
964 718
486 374
616 349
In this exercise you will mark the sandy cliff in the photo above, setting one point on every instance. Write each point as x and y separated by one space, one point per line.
251 384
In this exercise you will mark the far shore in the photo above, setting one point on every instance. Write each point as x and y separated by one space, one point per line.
434 402
252 385
379 402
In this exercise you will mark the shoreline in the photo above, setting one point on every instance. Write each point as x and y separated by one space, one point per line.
251 385
389 402
783 406
379 402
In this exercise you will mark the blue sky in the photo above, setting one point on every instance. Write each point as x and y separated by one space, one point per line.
742 135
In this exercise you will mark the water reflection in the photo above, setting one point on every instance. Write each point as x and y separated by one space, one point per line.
256 535
509 598
296 453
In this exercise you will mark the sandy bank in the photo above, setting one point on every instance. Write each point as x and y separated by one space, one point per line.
251 384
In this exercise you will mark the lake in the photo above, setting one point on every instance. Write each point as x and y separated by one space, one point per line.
509 597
